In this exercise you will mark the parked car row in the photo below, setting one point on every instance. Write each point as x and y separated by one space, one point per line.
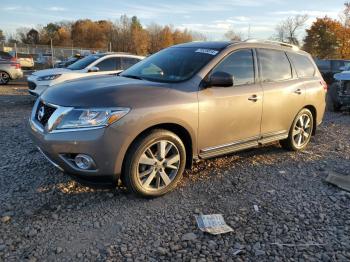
10 68
92 65
198 100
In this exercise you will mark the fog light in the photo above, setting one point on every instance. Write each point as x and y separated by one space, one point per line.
83 161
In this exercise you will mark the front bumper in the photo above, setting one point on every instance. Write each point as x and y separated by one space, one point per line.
101 144
16 74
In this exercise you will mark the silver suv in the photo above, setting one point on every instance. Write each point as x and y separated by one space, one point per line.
191 101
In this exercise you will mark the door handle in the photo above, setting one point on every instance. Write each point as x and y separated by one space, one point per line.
298 91
253 98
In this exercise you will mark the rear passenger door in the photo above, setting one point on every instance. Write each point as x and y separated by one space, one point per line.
284 93
230 117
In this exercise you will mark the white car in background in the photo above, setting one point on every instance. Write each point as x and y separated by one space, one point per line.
92 65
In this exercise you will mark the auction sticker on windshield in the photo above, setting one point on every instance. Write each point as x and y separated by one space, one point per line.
207 51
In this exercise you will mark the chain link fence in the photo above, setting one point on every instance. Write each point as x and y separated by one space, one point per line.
46 56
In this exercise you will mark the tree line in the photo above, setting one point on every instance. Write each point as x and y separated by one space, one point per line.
124 35
326 37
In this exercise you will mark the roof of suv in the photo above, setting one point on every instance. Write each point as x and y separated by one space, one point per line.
214 44
220 45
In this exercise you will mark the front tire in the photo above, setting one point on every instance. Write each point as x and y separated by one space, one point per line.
154 164
4 78
300 132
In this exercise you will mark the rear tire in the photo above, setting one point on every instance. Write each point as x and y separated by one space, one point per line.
300 132
4 78
154 164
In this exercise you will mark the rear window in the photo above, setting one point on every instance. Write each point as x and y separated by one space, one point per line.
323 65
275 65
5 55
303 65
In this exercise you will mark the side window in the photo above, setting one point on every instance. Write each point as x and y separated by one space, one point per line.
240 65
128 62
108 64
275 65
303 65
337 64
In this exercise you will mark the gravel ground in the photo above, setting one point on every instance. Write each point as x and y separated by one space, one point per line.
47 216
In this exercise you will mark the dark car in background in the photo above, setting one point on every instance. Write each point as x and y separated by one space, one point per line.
69 61
5 56
329 67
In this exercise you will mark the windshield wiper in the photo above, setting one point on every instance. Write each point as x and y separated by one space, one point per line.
132 76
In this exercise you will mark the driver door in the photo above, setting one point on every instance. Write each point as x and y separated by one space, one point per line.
230 117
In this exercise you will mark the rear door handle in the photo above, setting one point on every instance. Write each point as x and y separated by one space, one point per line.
253 98
298 91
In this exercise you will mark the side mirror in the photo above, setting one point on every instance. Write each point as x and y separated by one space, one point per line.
220 78
93 69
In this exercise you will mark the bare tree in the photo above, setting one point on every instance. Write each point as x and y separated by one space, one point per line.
344 17
233 36
287 30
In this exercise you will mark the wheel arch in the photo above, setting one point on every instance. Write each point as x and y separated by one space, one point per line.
7 72
178 130
314 116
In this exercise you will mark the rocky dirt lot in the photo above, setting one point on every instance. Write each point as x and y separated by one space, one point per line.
46 216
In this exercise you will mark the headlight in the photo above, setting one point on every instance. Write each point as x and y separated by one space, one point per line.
48 77
94 117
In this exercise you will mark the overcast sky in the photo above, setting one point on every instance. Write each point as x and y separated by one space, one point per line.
211 18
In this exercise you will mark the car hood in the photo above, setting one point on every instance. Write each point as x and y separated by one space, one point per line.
104 91
345 75
52 71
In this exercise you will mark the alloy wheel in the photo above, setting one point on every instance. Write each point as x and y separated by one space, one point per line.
4 78
158 165
302 130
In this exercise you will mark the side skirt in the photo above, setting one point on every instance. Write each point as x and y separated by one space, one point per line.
241 145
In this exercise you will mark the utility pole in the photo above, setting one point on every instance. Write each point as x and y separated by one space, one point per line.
249 31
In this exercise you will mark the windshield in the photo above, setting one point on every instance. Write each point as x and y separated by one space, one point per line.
83 63
172 64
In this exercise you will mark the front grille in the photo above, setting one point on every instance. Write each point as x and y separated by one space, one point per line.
31 85
43 113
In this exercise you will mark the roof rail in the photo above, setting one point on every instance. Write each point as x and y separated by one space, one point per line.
251 40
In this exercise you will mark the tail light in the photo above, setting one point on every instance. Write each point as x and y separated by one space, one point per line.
324 85
16 65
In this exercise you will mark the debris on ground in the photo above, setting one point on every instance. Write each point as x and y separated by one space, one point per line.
339 180
213 224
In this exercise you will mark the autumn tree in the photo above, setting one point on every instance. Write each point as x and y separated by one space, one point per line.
139 36
166 37
322 38
124 35
154 32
